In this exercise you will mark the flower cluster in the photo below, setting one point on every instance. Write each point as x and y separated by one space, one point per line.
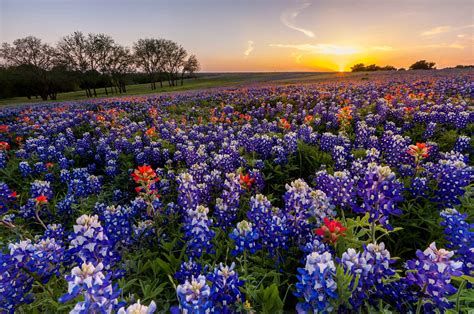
432 272
379 192
198 232
316 283
88 281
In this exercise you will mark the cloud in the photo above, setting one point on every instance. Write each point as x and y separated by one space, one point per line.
324 49
288 19
249 48
382 48
444 29
297 56
436 31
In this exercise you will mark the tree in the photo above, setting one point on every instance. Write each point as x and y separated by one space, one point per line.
175 57
422 65
359 67
119 63
191 65
149 56
35 57
72 50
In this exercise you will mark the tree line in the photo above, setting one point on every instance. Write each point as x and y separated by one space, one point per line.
419 65
91 61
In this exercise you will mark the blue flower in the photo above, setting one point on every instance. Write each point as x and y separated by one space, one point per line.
245 237
194 296
96 289
432 272
225 288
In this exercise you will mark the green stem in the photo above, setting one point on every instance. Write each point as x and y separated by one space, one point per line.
372 230
459 295
420 301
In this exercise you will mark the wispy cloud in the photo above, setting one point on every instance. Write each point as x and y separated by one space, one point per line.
327 49
288 18
444 29
382 48
249 48
436 31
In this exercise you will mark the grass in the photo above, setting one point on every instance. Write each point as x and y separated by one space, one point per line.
212 80
203 81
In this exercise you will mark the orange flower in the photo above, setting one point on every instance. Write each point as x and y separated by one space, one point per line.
3 128
4 146
49 164
41 200
419 151
285 124
246 181
308 119
331 230
144 174
151 132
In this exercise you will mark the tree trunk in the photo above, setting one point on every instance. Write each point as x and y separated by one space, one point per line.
182 76
95 92
106 92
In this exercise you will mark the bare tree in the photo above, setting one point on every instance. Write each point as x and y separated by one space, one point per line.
119 62
72 50
149 56
175 56
39 56
190 66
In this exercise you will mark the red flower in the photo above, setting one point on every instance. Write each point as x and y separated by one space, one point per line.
419 151
41 199
151 132
246 181
331 230
13 194
144 174
4 146
285 124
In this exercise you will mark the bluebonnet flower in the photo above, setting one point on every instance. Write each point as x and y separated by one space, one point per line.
432 272
143 231
188 270
269 222
463 143
460 237
228 204
27 261
430 130
188 192
88 281
198 233
194 296
316 284
39 188
25 169
372 266
341 156
452 175
138 308
89 243
117 224
225 290
339 187
379 192
245 237
7 196
419 187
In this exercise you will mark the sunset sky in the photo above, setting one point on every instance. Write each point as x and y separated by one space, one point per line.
265 35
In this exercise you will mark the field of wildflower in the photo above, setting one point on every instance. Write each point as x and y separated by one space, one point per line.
348 196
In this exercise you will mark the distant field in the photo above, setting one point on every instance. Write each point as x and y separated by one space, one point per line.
213 80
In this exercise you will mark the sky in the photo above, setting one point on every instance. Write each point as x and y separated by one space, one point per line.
265 35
